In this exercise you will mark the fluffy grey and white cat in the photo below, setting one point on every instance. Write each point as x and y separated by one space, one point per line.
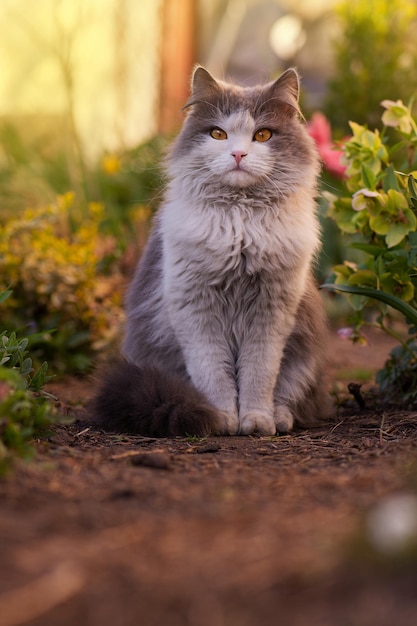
225 329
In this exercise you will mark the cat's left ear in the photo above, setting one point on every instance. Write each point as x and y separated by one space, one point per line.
286 90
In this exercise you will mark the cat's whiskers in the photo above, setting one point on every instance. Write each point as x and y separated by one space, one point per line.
210 104
198 176
325 183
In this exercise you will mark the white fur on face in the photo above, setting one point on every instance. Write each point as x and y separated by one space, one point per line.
279 166
218 155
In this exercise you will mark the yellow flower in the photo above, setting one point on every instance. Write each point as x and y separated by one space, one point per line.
141 213
110 164
50 256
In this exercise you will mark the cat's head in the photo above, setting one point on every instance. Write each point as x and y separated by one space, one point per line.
243 137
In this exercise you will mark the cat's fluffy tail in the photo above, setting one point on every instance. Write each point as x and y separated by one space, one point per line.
145 401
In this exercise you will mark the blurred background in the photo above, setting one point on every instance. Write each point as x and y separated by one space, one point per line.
90 95
84 77
117 71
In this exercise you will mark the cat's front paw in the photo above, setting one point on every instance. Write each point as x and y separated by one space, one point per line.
283 418
257 423
229 423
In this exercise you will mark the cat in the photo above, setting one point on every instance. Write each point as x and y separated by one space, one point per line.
225 328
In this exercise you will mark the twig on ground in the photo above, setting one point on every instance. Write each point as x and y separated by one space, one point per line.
381 427
82 432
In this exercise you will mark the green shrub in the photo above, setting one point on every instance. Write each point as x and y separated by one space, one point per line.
36 166
129 179
375 58
25 410
55 259
378 215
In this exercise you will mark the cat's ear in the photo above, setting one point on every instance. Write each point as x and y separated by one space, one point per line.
203 85
202 81
286 90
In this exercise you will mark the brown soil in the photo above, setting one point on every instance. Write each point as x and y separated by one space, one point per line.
104 530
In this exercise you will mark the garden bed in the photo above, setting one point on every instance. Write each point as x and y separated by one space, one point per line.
105 530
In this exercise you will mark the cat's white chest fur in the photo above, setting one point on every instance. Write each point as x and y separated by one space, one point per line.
212 236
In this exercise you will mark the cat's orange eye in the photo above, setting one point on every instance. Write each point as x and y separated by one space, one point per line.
263 134
218 133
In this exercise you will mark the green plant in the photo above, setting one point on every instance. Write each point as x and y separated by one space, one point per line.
25 409
23 416
375 58
378 215
36 166
55 258
129 179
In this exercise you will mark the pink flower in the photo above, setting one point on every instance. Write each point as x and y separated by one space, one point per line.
320 130
345 333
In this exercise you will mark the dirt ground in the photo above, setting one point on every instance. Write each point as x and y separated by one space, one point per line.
103 530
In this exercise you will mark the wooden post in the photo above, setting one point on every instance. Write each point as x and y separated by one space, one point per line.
177 60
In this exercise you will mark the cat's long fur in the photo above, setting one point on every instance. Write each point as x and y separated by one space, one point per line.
225 329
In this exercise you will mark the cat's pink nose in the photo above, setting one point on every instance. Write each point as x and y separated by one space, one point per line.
238 154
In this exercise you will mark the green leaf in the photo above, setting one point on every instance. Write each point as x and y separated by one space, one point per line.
357 129
343 272
400 288
40 378
389 180
396 234
368 177
343 214
364 278
406 309
412 187
26 367
380 223
368 248
5 294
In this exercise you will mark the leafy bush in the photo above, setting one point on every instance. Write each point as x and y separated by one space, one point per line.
379 216
375 58
25 411
55 260
36 166
34 163
129 179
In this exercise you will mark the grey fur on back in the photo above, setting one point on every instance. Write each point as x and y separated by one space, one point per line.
223 299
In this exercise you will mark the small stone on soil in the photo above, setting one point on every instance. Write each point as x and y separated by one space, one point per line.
156 459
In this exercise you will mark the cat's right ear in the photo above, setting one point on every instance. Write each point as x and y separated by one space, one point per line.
203 85
202 80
